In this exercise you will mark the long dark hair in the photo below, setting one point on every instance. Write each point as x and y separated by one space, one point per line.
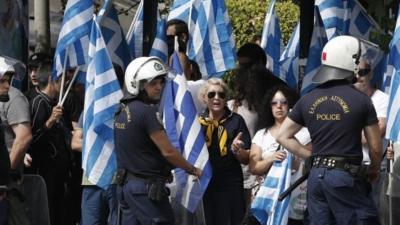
265 117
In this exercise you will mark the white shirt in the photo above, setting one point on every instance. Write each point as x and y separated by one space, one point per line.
380 100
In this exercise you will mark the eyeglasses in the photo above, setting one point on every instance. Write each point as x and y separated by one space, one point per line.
212 94
363 72
276 102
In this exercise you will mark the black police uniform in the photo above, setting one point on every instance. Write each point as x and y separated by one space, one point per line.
140 165
335 114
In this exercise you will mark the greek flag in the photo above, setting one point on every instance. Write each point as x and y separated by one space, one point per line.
345 17
211 41
185 133
289 61
266 207
318 41
393 121
180 10
271 40
113 35
160 47
348 17
73 40
134 37
102 94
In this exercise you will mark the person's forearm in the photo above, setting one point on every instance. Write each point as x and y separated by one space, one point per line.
293 145
177 160
261 167
18 151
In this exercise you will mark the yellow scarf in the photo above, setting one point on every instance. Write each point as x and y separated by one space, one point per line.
222 133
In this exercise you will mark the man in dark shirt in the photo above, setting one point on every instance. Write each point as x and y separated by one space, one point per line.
335 113
145 156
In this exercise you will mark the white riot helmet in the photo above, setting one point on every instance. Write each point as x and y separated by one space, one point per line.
339 59
142 70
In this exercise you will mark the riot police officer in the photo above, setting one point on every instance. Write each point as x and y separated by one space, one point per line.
335 114
145 156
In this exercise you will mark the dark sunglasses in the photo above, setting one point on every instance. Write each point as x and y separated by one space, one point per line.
283 102
212 94
363 72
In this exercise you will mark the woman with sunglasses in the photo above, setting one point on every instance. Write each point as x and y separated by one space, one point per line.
228 141
265 150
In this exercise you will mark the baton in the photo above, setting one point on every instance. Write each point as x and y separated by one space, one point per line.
284 194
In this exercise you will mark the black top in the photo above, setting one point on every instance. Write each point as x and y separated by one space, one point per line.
136 152
49 147
335 115
226 170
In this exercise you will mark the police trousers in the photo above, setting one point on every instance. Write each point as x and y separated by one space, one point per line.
136 207
335 197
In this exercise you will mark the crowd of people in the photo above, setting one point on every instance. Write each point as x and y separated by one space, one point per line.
333 133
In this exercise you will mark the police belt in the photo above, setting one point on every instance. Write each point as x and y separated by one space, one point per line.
141 177
351 165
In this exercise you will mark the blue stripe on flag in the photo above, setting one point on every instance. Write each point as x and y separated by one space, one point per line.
160 47
271 40
393 117
73 35
134 36
113 35
266 207
102 94
185 133
289 61
318 41
211 42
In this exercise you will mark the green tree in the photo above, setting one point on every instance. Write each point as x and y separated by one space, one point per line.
247 18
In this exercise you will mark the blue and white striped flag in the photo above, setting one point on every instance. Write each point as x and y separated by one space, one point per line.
185 133
74 35
345 17
289 60
113 35
348 17
180 10
393 121
211 42
134 37
271 40
266 207
318 41
102 94
160 47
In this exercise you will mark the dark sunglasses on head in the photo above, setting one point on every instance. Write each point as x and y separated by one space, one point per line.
275 102
363 72
212 94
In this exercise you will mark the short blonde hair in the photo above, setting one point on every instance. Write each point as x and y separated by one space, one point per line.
202 95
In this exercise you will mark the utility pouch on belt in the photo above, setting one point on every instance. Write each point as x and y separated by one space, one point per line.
157 191
120 178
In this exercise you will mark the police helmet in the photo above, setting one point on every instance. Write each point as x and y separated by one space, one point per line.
339 59
142 70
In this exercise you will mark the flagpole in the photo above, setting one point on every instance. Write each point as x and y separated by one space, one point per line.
69 86
63 76
370 18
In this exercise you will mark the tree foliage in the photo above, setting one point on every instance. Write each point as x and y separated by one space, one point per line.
247 18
